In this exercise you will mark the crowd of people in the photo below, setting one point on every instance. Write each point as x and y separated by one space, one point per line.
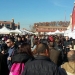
37 55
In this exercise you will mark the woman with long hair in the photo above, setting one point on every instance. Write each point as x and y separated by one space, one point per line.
23 55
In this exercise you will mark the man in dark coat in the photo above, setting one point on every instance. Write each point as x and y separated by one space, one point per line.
66 48
12 50
41 65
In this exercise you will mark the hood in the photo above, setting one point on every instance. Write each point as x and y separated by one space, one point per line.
69 67
21 57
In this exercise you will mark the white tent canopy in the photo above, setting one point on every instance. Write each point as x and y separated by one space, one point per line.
62 32
72 33
4 30
50 33
16 31
57 32
26 31
67 32
36 33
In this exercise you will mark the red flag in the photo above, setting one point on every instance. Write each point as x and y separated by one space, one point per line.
73 18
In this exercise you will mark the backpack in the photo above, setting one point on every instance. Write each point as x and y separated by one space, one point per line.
17 69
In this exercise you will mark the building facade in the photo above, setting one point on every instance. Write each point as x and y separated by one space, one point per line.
10 24
51 26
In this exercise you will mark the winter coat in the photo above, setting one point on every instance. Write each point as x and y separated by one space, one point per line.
21 58
69 68
41 65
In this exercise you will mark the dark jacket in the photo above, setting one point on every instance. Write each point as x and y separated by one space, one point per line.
41 65
66 43
3 65
11 52
21 58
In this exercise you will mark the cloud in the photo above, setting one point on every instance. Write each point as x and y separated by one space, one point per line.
59 4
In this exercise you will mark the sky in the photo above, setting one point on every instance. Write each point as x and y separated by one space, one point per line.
28 12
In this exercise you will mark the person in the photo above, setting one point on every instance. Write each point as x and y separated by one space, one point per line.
3 46
35 44
32 39
19 41
41 65
54 53
12 50
72 46
67 44
23 55
24 40
66 48
69 66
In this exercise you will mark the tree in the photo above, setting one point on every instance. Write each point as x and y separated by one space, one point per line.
32 28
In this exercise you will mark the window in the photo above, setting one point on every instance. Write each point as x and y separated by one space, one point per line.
8 26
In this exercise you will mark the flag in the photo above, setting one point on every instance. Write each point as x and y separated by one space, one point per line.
73 18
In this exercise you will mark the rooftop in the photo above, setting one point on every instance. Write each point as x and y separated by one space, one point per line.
5 22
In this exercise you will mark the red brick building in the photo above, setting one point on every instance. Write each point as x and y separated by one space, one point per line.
9 24
51 26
